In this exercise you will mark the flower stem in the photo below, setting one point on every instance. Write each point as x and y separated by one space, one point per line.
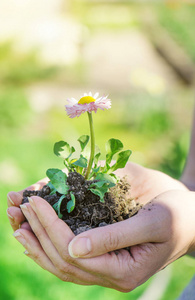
92 155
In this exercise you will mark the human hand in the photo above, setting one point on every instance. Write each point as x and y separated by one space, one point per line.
157 235
152 254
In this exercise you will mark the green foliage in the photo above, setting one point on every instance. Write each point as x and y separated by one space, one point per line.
103 184
71 203
83 140
121 161
57 206
174 161
155 122
81 162
113 146
96 158
58 180
103 175
14 109
63 150
180 24
21 68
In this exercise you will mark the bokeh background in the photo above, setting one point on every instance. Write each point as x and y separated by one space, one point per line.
141 54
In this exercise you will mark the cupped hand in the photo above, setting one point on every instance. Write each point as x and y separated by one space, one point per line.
160 233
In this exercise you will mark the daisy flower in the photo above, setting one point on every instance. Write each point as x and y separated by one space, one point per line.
87 103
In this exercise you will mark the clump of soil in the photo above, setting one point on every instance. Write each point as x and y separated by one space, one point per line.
89 212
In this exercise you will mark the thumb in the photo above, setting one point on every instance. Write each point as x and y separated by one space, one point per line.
144 227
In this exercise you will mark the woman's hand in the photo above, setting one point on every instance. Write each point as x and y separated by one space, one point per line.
160 233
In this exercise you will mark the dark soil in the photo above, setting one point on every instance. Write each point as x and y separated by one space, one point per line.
89 212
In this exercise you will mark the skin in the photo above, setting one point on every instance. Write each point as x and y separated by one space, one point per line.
188 176
159 234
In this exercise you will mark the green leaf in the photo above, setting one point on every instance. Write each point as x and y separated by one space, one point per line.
102 186
112 147
97 156
99 192
97 185
81 162
58 180
57 206
115 177
52 188
71 204
63 149
121 161
106 168
51 173
96 170
83 140
106 178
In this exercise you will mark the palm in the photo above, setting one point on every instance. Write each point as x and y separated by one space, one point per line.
147 183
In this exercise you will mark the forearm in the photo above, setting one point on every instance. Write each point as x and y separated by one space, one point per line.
188 176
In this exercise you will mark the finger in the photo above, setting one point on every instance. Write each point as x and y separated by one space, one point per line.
36 253
144 227
14 199
124 271
15 217
56 229
63 270
26 226
41 234
67 271
34 249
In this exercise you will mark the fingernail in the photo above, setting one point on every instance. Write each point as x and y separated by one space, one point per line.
20 238
10 200
23 207
10 217
79 247
25 211
31 202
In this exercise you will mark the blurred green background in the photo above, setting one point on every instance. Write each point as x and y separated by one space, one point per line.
142 56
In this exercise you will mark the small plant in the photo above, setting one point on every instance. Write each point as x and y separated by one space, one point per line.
100 178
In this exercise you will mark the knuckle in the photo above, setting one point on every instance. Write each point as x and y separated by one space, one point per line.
64 269
36 256
65 278
111 241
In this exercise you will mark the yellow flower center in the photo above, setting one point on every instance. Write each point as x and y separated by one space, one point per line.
86 99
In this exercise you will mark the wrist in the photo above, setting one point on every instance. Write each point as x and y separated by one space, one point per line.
188 178
189 185
188 181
